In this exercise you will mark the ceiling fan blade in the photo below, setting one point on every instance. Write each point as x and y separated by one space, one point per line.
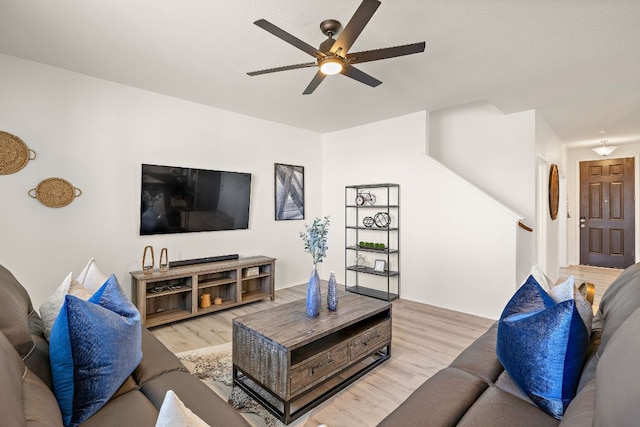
315 82
385 53
360 76
355 26
292 40
284 68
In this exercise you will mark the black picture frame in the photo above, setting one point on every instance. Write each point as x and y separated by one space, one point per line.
289 192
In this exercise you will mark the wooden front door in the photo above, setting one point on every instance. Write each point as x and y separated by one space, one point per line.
607 225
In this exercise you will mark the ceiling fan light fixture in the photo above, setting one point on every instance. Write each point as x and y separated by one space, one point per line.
331 66
605 149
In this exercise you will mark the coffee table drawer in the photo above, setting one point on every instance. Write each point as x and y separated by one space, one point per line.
370 340
319 367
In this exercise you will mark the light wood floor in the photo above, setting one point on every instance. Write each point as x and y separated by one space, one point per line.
425 340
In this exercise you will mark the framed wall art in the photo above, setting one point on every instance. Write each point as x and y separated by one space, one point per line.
289 192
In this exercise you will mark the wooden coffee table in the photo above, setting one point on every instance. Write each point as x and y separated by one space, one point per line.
290 363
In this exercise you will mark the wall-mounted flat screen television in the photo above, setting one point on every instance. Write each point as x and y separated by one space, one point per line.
184 200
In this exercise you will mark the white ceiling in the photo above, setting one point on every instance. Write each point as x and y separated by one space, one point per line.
575 61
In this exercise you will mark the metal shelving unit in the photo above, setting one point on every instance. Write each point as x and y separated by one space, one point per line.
372 215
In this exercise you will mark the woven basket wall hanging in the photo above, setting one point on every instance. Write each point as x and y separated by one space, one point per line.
55 192
14 153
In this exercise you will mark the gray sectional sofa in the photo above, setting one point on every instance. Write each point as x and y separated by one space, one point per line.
475 390
26 386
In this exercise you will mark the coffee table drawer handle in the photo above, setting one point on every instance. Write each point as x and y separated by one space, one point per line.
377 335
321 364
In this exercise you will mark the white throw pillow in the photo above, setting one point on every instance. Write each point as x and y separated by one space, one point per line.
542 279
51 307
173 413
91 277
567 290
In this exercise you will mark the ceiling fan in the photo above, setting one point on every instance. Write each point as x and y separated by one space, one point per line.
332 56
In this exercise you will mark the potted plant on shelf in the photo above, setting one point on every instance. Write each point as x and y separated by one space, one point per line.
315 242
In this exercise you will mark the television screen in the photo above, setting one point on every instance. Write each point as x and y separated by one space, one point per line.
183 200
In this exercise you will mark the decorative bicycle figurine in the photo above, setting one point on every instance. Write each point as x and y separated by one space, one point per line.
365 197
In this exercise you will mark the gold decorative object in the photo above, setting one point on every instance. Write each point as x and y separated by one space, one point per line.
164 260
554 191
205 300
14 153
55 192
148 269
217 301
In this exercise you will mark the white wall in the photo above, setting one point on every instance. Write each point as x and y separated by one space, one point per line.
574 157
492 150
96 134
550 149
495 152
457 245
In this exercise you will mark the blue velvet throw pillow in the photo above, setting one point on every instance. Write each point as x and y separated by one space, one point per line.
94 346
541 344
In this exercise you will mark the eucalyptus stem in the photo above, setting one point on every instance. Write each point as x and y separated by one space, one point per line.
315 239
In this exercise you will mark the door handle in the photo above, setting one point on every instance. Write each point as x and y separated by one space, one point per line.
583 221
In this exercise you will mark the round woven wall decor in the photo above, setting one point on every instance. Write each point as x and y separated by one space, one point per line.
55 192
14 153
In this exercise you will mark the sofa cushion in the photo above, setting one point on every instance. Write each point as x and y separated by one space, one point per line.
541 344
51 307
95 346
581 410
129 409
15 306
196 396
495 408
506 384
91 278
449 393
618 377
479 358
540 277
24 395
163 360
174 413
566 291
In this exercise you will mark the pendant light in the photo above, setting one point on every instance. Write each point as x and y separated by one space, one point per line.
604 149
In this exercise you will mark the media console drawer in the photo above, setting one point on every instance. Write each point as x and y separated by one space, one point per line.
319 367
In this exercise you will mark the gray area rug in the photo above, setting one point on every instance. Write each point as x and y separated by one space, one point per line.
214 367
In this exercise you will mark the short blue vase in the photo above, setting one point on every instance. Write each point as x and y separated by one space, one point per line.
314 298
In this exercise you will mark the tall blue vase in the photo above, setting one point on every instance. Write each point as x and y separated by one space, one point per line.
314 298
332 293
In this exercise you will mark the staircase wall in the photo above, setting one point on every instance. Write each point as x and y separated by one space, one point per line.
458 244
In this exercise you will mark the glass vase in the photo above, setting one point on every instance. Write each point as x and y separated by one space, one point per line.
314 297
332 293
